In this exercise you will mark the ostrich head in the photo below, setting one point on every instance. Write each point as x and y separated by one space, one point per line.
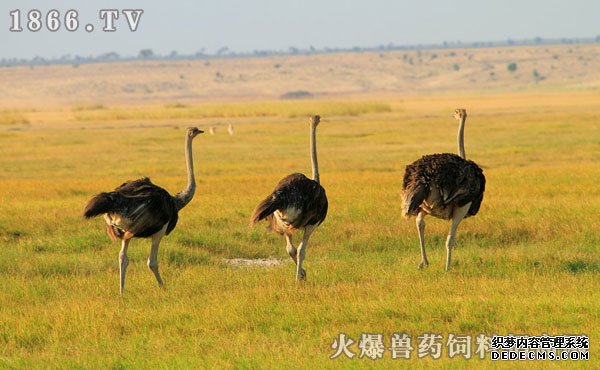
193 131
460 113
315 119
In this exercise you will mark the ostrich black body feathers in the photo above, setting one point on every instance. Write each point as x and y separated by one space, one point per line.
147 208
301 201
458 181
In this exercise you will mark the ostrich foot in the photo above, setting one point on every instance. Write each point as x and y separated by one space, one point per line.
301 275
423 264
154 269
447 267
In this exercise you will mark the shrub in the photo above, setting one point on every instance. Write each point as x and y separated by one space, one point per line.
537 76
300 94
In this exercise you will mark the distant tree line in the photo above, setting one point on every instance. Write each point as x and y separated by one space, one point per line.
225 52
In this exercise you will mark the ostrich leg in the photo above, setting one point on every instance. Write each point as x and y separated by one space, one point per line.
290 248
153 258
421 227
457 217
123 262
300 272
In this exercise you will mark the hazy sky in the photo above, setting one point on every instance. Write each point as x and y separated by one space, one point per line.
245 25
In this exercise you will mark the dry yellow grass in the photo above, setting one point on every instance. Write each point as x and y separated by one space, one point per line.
12 117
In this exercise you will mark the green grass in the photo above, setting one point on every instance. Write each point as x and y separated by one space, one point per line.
528 263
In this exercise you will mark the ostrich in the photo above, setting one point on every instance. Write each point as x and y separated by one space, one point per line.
445 186
140 209
230 129
296 203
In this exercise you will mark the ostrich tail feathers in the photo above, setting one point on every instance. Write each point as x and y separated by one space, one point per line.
412 198
264 209
98 205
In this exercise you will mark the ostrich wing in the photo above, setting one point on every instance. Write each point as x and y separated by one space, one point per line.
457 181
146 206
477 188
307 197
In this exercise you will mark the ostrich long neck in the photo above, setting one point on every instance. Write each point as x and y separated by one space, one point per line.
186 195
461 138
313 152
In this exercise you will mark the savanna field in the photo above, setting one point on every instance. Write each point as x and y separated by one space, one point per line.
527 263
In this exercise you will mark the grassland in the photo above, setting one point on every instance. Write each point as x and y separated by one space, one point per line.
528 263
230 110
12 117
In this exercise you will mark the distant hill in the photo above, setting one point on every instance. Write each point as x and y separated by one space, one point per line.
344 74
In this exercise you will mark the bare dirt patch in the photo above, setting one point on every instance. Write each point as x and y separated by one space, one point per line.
253 262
